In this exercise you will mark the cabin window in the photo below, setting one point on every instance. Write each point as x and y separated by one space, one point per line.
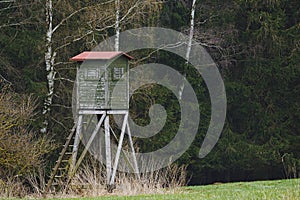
118 73
92 74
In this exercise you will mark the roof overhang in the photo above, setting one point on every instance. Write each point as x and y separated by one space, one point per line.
99 55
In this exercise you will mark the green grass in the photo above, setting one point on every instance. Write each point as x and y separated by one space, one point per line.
281 189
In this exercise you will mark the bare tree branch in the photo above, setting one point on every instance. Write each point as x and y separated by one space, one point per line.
7 1
75 12
204 21
65 79
5 80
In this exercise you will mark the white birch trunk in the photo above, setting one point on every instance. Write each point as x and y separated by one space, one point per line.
49 62
50 59
117 26
189 45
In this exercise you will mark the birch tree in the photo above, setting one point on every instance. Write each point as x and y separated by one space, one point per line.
49 62
117 26
66 36
50 56
189 45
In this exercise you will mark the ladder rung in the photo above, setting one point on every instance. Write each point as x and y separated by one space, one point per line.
66 153
58 169
70 145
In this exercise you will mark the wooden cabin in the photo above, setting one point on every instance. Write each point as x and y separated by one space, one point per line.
97 76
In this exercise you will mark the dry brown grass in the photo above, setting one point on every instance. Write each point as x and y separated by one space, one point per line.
90 180
13 187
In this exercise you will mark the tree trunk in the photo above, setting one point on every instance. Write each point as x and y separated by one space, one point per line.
189 45
188 50
117 26
49 62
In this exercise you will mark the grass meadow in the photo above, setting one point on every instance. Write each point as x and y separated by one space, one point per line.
288 189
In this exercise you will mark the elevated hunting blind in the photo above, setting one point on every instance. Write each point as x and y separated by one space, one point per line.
102 90
98 75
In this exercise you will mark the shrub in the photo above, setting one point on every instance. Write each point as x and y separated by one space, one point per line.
21 149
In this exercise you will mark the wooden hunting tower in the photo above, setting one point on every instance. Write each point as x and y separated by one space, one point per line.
98 76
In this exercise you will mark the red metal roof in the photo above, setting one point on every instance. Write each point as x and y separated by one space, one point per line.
98 55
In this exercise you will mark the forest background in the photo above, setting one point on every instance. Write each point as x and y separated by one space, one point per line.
255 44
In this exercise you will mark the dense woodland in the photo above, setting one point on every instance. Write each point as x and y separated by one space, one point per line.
255 43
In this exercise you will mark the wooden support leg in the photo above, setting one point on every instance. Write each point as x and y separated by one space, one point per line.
76 143
112 180
107 149
136 169
88 144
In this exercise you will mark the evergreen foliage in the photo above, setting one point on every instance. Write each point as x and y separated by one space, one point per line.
256 45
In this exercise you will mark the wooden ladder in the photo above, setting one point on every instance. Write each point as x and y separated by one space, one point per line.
59 173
